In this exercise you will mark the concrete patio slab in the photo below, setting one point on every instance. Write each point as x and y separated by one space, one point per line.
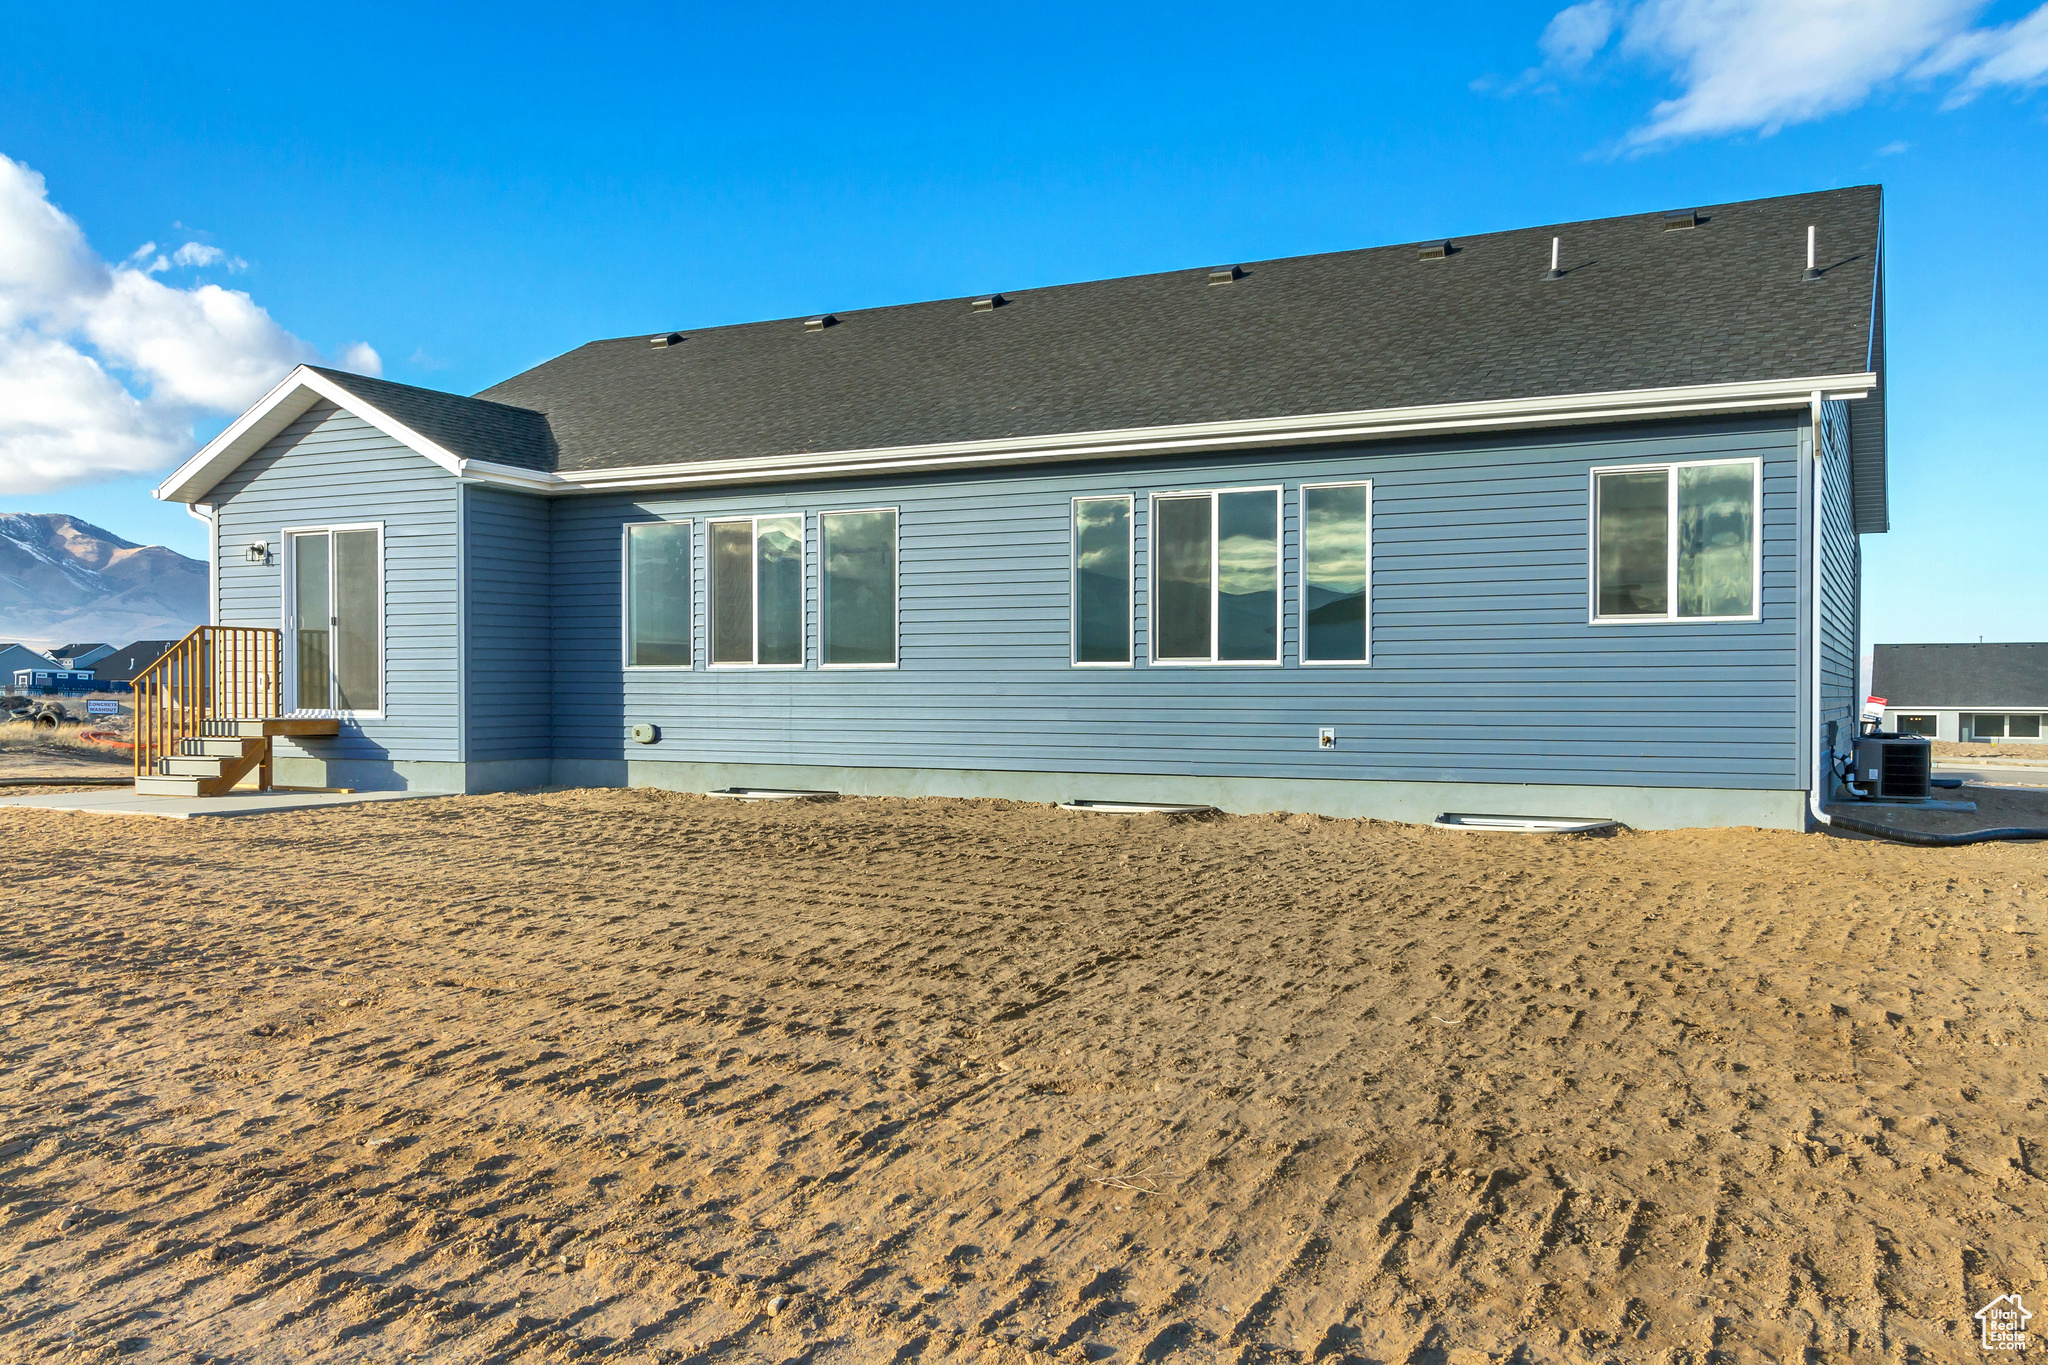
124 801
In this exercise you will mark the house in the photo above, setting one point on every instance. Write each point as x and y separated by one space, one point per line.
18 658
83 655
122 665
1554 521
26 668
1993 693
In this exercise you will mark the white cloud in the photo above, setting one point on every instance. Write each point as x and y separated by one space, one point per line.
1759 65
361 357
2015 55
104 369
1574 36
199 255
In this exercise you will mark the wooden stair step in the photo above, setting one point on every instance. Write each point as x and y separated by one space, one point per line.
186 765
219 748
261 727
158 785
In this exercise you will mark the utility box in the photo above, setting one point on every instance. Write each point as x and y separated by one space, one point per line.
1895 767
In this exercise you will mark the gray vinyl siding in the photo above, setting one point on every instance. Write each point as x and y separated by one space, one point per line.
509 685
1485 666
1841 569
330 467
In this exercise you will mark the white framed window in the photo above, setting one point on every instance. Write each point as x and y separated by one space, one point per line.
655 594
1676 541
1336 573
757 590
1100 590
1215 581
858 610
334 619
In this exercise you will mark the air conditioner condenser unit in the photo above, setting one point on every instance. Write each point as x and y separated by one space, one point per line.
1894 767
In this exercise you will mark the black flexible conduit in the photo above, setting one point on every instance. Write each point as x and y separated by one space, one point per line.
1847 777
1914 836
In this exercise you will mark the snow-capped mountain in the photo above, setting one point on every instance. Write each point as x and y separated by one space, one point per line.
65 579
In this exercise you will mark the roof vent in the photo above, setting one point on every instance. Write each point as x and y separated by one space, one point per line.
1434 251
819 324
989 304
665 340
1681 218
1225 274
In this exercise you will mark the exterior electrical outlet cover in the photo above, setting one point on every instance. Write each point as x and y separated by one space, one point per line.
645 734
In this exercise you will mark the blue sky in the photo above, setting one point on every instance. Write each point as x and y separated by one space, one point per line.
466 196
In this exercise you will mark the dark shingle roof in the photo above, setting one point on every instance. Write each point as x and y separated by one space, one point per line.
1640 307
1961 676
471 428
123 664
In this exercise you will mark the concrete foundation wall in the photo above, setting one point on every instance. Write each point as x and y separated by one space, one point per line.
1412 802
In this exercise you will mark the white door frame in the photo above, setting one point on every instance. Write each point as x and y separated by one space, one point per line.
290 652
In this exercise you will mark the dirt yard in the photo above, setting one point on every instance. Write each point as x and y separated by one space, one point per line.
636 1076
30 752
1982 749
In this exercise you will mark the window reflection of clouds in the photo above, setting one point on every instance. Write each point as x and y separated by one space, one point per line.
1695 559
1716 540
859 552
1336 563
1247 555
1244 563
1337 538
1102 530
1102 580
658 575
1634 537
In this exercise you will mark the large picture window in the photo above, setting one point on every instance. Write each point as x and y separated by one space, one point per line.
1676 542
859 573
1216 577
335 617
757 591
658 595
1102 581
1336 572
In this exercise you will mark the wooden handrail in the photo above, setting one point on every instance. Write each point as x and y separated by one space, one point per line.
214 673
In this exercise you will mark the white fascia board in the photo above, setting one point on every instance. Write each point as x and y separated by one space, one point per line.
275 411
1374 424
303 387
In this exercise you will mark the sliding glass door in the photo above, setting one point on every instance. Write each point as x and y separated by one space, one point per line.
335 618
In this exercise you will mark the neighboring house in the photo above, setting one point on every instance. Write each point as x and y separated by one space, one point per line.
122 665
66 678
81 655
16 659
1387 532
1992 693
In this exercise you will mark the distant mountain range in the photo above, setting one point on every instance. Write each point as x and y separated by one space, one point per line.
62 579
